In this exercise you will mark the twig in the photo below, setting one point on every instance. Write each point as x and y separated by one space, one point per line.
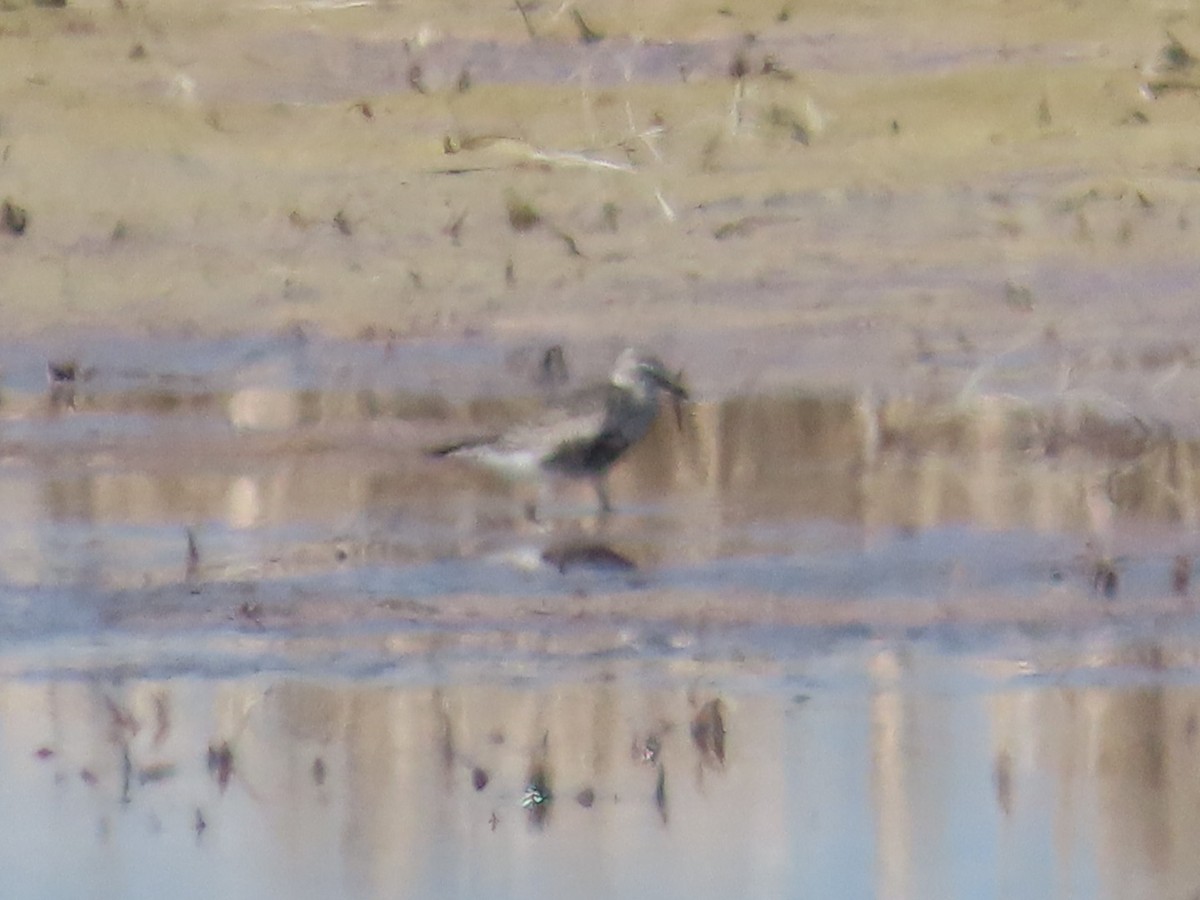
525 18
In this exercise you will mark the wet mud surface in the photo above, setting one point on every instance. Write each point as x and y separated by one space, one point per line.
244 611
903 606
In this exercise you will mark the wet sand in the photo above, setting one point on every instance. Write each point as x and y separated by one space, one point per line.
903 608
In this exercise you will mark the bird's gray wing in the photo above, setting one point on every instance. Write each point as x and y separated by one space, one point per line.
554 436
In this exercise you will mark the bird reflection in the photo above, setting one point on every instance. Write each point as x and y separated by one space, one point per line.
588 555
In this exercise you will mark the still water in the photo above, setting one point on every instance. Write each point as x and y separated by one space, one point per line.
256 644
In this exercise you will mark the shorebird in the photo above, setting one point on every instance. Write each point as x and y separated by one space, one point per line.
583 446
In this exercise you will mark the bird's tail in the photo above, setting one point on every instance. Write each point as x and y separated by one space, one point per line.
452 448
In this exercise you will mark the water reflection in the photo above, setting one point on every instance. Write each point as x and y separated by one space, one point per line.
267 477
899 771
737 685
576 554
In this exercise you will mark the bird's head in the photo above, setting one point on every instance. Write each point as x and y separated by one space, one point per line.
644 373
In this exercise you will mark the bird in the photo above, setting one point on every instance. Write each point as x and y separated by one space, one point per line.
581 446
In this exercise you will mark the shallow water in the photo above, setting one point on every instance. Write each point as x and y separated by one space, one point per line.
827 644
868 769
904 608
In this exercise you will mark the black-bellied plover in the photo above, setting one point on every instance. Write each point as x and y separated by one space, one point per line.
581 445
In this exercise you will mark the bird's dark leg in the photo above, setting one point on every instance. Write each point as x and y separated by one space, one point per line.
602 495
544 496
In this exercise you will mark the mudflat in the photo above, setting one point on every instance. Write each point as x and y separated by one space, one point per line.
921 186
903 606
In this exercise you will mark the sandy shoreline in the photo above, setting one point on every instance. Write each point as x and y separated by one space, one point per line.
970 207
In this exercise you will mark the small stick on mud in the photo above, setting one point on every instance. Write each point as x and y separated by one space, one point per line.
1105 579
569 242
539 796
220 763
192 566
454 229
587 34
1181 574
553 367
416 79
522 215
737 70
14 219
65 372
708 733
479 778
525 18
62 378
660 793
667 211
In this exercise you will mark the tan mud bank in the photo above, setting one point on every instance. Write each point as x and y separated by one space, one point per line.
918 185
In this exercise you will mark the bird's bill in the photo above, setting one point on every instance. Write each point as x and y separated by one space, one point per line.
677 401
672 385
679 395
